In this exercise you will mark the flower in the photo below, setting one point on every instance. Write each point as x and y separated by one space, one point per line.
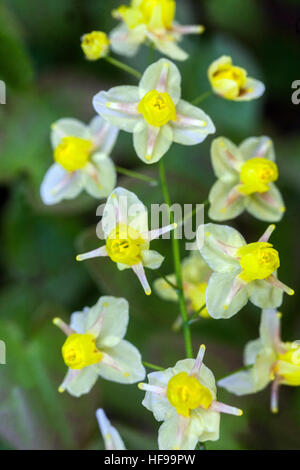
268 360
154 112
184 398
195 274
246 180
125 227
151 20
231 82
95 45
81 160
111 437
240 271
95 347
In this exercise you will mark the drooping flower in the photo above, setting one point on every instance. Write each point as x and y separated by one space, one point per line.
246 176
240 271
95 45
184 398
269 360
154 112
81 160
125 227
111 437
232 82
150 20
95 347
195 275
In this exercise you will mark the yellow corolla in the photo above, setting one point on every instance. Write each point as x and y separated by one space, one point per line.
232 82
95 45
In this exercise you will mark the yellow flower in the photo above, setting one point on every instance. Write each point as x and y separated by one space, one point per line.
157 108
268 360
95 45
232 82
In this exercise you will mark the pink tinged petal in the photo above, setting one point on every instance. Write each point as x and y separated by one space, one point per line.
187 121
152 135
99 137
189 29
105 429
266 235
237 285
154 234
63 326
110 362
182 424
93 173
262 147
152 389
228 249
198 363
97 326
70 376
276 283
233 196
127 108
138 269
161 86
274 395
266 197
222 408
61 185
92 254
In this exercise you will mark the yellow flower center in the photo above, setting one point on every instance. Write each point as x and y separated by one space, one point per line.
288 365
164 9
131 16
73 153
256 175
95 45
196 295
80 350
186 393
227 72
258 261
124 245
157 108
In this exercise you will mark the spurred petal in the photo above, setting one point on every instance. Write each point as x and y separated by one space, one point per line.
163 74
192 125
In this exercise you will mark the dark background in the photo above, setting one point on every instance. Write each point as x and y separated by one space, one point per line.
47 78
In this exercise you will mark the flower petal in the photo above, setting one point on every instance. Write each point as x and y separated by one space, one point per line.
168 435
152 259
220 244
226 159
269 328
168 47
221 207
239 383
192 125
111 437
126 41
125 207
164 290
264 295
253 89
68 127
217 292
158 403
119 107
128 360
82 382
100 176
58 184
153 74
104 134
151 143
257 147
252 349
205 424
268 206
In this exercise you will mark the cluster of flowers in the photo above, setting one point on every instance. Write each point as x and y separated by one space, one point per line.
218 279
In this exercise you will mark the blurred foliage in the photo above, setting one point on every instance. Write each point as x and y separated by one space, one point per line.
47 78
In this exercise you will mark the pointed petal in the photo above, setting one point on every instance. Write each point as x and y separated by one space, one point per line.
152 75
140 272
111 437
151 143
58 184
92 254
224 298
192 125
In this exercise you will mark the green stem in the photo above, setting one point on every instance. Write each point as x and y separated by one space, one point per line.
134 174
201 97
177 266
122 66
152 366
167 281
195 316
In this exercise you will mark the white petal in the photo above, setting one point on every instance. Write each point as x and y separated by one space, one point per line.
253 89
269 328
252 349
169 47
220 197
100 176
226 159
158 403
104 135
124 206
192 125
268 206
59 184
264 295
168 435
68 127
119 107
151 143
128 360
152 259
111 437
83 382
257 147
125 41
239 383
217 292
152 75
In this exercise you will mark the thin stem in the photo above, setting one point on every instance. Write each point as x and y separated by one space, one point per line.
177 266
122 66
195 317
134 174
193 212
168 281
152 366
201 97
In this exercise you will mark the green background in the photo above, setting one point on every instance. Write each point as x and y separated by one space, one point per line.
48 78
